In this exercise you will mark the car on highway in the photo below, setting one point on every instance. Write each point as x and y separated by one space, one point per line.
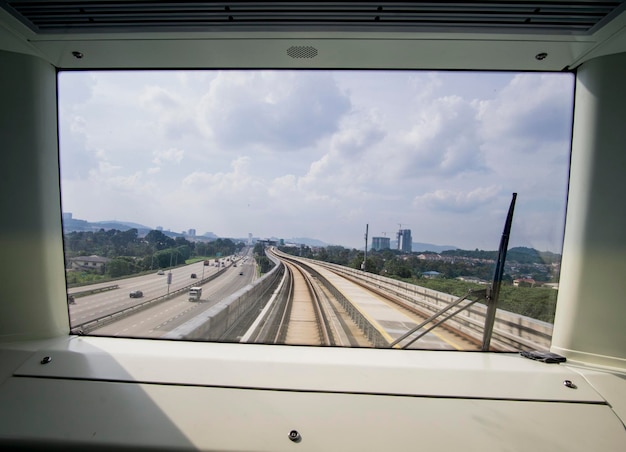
240 273
194 276
136 294
160 272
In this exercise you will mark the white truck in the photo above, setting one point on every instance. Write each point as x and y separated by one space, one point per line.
195 293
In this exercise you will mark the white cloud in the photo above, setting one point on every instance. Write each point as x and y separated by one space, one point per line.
532 111
458 201
319 154
357 134
158 98
444 139
170 155
277 111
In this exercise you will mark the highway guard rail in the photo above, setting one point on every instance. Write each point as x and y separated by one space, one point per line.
93 324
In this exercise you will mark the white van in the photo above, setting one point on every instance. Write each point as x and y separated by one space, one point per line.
195 293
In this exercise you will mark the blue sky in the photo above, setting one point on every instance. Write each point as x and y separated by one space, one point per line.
319 154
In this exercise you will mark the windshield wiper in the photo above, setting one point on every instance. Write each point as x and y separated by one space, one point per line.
492 298
490 294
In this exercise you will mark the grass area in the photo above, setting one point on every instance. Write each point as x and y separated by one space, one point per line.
77 279
535 302
193 260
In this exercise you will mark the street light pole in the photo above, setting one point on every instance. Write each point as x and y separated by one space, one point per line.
365 257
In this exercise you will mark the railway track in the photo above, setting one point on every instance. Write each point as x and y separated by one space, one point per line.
398 318
304 322
303 312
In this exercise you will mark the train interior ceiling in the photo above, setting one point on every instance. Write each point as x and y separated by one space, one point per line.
64 391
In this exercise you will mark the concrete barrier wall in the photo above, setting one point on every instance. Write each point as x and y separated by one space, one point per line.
512 332
215 322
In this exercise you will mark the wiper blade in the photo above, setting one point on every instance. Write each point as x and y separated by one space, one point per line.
494 293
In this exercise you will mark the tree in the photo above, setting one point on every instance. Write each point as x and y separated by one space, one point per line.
265 265
159 240
117 268
122 240
259 249
357 261
201 249
184 251
168 257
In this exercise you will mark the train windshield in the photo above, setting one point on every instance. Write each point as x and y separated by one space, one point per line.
335 208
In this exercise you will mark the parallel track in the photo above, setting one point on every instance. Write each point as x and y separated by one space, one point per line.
441 337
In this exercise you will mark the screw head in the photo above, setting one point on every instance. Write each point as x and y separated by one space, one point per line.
569 384
295 436
46 360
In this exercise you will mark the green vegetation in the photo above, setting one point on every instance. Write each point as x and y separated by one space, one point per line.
536 302
264 263
80 278
521 255
129 254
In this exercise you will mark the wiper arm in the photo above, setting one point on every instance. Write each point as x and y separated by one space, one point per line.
492 298
490 294
482 294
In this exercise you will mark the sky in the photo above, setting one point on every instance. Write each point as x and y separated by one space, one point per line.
320 154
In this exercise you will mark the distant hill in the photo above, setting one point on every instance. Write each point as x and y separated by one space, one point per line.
520 254
306 241
121 225
76 225
525 255
417 246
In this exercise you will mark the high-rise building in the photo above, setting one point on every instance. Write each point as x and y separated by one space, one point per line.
405 241
381 243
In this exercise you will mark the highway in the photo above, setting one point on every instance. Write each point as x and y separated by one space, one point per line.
157 320
89 307
114 296
312 303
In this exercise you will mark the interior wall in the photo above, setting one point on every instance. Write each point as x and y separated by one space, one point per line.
32 289
589 325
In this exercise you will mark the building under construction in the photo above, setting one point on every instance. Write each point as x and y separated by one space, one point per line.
381 243
404 240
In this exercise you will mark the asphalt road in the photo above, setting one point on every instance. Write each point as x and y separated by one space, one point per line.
87 308
157 320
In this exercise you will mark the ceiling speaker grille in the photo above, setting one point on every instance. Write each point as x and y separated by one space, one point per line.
302 52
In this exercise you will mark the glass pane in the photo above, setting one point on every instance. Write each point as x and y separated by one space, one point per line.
181 191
